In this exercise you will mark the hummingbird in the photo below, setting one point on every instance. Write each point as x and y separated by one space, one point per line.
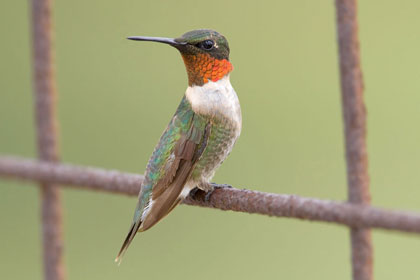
200 135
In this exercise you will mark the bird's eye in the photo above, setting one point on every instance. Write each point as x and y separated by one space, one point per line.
206 45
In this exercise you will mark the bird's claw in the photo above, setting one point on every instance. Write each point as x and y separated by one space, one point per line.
208 189
214 187
220 186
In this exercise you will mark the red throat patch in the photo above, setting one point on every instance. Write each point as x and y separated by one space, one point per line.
202 68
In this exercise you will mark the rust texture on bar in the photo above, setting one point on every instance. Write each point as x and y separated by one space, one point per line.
45 118
278 205
354 115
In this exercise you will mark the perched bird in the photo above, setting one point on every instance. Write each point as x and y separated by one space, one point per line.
199 136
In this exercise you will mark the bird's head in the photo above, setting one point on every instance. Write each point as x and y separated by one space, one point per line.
205 53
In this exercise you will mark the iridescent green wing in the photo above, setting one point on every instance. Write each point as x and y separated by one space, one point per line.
191 140
170 166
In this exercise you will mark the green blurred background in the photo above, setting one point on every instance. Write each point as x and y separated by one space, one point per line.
116 97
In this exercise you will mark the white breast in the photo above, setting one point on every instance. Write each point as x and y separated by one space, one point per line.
216 99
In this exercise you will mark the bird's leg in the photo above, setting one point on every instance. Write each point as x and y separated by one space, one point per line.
207 187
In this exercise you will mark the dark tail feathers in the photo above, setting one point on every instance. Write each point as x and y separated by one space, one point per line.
130 236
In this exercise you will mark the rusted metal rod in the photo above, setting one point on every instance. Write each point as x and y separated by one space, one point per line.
46 126
354 115
278 205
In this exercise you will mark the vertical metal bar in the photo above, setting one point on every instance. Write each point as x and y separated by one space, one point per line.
45 117
354 114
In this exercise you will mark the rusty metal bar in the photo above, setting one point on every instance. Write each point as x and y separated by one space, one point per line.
354 115
277 205
45 118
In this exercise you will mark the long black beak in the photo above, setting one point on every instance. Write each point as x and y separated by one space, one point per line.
169 41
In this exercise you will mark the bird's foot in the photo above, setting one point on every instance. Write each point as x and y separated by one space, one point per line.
214 186
194 191
202 190
206 190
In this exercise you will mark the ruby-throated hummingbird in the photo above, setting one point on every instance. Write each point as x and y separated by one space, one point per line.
199 136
